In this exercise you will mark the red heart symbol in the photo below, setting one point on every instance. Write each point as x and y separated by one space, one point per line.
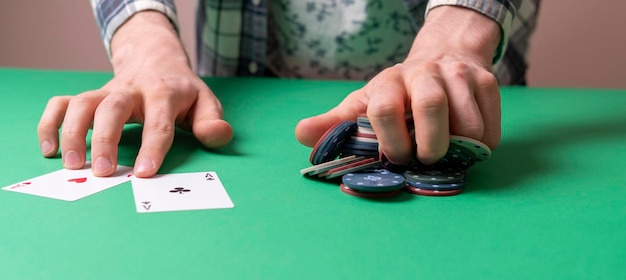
20 185
78 180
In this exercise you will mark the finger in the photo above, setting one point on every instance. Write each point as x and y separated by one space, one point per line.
488 99
429 105
386 112
465 117
309 130
157 136
49 124
207 123
109 119
76 124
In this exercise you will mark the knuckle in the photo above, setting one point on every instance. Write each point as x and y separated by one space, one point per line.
165 86
70 132
430 67
382 111
58 101
161 125
485 79
431 103
113 102
80 100
459 70
102 138
388 74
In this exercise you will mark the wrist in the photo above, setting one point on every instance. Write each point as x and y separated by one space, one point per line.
146 35
454 30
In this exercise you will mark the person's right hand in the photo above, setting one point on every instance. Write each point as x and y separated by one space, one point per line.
154 85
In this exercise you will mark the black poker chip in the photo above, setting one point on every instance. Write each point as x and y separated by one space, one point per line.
329 146
437 186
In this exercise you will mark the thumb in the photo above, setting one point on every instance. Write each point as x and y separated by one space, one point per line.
309 130
207 124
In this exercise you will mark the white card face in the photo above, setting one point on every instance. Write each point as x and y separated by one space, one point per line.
179 192
71 185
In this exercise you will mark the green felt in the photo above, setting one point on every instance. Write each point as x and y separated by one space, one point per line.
549 204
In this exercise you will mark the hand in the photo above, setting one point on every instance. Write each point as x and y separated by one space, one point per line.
445 82
153 84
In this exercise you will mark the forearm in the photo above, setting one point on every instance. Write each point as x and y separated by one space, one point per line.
146 35
112 14
455 30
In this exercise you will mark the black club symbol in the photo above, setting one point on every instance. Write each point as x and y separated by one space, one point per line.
209 177
146 205
180 190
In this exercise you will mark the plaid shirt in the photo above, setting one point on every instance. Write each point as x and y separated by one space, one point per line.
232 35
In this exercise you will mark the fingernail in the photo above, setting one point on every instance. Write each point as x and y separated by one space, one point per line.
71 159
46 147
102 165
145 165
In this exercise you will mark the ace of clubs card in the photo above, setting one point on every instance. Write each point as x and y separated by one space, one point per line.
179 192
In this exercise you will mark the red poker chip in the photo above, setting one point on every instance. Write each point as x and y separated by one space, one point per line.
365 135
347 190
419 191
347 166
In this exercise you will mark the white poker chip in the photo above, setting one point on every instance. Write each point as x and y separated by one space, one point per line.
354 169
364 139
365 130
479 149
323 167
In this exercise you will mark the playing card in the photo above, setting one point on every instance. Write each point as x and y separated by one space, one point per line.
71 185
178 192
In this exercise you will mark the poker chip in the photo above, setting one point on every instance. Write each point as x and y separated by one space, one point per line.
434 176
373 181
363 153
363 122
480 150
354 168
361 146
437 186
366 172
365 130
323 167
347 190
364 139
330 144
459 157
424 192
350 165
365 135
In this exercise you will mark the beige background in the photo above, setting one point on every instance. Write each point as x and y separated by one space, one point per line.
580 45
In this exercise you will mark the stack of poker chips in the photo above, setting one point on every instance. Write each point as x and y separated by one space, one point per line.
350 150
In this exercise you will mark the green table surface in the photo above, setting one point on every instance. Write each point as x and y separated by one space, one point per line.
550 203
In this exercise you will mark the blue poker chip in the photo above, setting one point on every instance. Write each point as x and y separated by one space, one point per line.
363 122
374 181
436 186
359 146
363 153
329 146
